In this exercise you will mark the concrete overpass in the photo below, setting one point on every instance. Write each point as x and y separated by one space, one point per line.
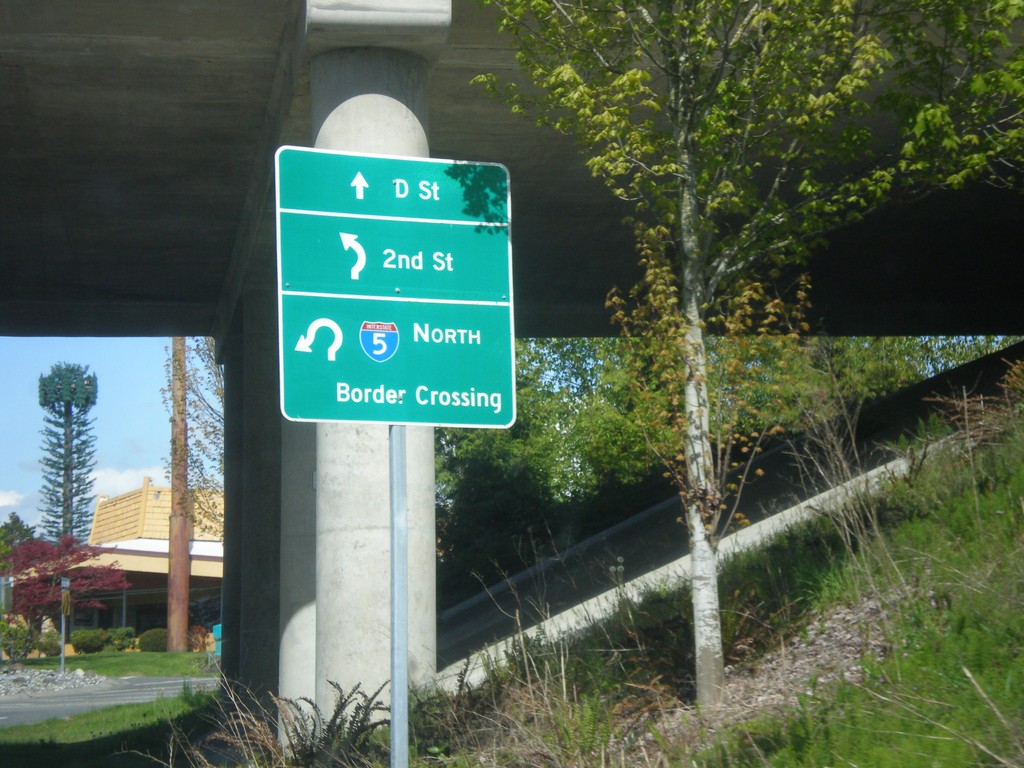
136 198
136 146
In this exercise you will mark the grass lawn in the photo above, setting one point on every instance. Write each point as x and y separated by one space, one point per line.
127 736
114 736
121 664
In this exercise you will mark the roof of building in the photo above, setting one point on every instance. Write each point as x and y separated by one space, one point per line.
132 530
140 515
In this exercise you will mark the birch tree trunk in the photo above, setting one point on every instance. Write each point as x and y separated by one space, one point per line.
699 496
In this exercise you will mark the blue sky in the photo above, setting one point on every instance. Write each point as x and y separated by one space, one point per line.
130 421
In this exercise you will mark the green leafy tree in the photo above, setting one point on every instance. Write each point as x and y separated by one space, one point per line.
575 390
67 394
859 369
573 464
12 533
743 133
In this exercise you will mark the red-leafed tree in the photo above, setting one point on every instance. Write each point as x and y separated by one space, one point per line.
38 567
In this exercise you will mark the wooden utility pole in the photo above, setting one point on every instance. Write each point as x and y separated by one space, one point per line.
178 565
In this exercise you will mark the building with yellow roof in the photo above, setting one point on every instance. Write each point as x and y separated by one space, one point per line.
131 530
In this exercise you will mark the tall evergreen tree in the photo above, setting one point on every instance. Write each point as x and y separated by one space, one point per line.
66 395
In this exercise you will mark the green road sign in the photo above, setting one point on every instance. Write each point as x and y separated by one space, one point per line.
395 290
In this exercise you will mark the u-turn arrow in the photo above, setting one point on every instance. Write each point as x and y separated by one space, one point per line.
305 343
351 243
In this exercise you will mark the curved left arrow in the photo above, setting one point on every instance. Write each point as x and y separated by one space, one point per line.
305 343
351 243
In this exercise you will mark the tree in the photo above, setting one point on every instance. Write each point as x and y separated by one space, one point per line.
66 395
204 394
859 369
12 533
743 133
572 465
39 565
178 528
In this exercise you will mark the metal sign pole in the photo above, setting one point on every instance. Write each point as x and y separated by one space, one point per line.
65 611
399 600
63 630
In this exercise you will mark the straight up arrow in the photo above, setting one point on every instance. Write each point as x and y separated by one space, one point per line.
360 184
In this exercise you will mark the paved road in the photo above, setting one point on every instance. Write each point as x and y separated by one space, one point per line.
24 708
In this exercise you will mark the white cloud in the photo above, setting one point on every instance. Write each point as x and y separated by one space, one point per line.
10 498
114 482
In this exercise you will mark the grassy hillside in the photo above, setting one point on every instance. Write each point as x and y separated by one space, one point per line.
949 690
890 635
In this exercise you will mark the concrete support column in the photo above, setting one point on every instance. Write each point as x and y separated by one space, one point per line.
261 477
298 561
369 100
234 502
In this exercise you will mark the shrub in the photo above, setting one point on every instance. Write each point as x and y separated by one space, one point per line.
15 637
48 643
122 638
89 640
153 640
197 638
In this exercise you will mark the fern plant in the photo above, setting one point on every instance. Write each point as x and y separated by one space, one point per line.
344 738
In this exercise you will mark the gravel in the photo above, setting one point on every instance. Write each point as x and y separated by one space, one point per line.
16 680
829 648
